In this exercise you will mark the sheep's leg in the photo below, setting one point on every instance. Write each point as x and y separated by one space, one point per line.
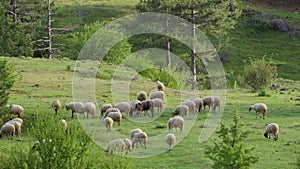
72 114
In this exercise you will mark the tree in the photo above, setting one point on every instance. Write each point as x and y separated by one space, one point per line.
259 73
229 153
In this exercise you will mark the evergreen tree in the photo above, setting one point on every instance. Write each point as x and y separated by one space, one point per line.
229 153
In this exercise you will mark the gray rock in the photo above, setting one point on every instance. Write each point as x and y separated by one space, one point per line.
280 25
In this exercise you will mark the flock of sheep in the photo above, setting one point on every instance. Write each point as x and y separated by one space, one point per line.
142 106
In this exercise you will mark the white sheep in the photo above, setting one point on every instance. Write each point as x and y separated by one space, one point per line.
272 128
170 140
259 108
191 104
199 103
216 103
207 101
157 102
108 122
160 86
135 108
124 107
76 107
115 145
141 96
16 110
140 138
56 105
90 108
175 122
181 110
64 124
115 115
128 145
18 120
18 127
158 94
133 131
7 130
104 108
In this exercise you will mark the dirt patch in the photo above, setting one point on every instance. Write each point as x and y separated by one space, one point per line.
283 5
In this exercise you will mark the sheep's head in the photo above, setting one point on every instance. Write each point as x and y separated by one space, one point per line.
67 107
173 113
251 108
266 135
139 106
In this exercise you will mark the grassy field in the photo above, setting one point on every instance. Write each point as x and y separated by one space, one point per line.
45 80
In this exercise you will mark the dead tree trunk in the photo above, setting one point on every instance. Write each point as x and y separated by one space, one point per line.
168 44
193 52
49 30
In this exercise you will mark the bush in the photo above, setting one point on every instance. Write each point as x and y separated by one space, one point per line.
259 73
230 152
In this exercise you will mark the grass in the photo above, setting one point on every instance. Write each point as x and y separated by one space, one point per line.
55 82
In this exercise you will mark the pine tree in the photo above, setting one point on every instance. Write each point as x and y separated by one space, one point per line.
230 152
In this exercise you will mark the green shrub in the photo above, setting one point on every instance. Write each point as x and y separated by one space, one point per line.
263 93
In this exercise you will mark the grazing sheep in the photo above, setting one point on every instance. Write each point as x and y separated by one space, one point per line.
274 86
207 101
135 108
181 110
141 96
199 103
157 102
272 128
128 145
90 108
191 105
158 94
18 127
133 131
160 86
108 122
18 120
216 103
104 108
7 130
115 145
124 107
115 116
175 122
146 106
56 105
139 138
16 110
170 140
64 124
76 107
259 108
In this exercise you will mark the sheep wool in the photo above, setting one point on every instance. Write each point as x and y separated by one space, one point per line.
16 110
18 120
175 122
141 96
191 105
160 86
216 103
18 127
76 107
272 128
207 101
104 108
128 145
56 105
111 110
115 145
158 94
259 108
108 122
157 102
133 131
135 108
64 124
170 140
148 105
140 138
90 108
115 116
181 110
124 107
7 130
199 103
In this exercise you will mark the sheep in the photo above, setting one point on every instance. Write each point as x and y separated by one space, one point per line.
259 108
104 108
90 108
148 105
135 108
170 140
64 124
18 120
207 101
216 103
158 94
175 122
16 110
76 107
157 102
160 86
108 122
115 116
139 138
7 130
128 145
115 145
56 105
272 128
199 103
133 131
123 107
181 110
110 110
18 127
191 105
141 96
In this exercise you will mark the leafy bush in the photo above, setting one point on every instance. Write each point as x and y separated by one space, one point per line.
230 152
259 73
263 93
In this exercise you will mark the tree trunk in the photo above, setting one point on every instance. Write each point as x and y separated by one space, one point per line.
15 17
49 30
168 44
193 52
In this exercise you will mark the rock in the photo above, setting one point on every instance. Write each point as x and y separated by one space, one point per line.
280 25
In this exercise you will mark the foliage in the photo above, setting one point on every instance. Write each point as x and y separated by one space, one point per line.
259 73
230 152
263 93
